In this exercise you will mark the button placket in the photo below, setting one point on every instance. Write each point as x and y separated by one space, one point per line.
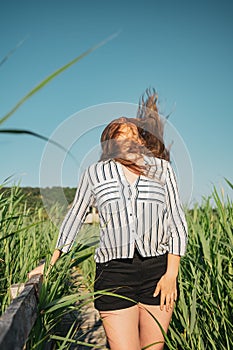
132 197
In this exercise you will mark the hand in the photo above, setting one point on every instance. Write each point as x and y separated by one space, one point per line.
167 287
39 270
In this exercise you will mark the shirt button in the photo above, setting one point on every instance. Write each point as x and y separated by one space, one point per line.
130 214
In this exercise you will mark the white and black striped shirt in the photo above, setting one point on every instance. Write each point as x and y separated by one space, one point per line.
146 214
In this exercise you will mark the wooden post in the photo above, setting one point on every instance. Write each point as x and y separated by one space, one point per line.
19 318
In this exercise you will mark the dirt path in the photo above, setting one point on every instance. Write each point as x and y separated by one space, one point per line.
86 323
90 329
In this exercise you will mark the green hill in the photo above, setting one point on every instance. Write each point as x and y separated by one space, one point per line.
34 196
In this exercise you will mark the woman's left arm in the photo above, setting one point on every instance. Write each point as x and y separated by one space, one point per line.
167 284
178 237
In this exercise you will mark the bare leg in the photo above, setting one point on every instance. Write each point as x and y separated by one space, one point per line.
121 328
149 330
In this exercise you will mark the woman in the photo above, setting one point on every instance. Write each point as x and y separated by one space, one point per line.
143 231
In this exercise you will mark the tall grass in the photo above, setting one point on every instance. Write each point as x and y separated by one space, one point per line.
203 315
26 237
20 231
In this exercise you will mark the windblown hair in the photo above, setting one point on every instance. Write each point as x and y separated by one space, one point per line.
150 129
151 125
127 151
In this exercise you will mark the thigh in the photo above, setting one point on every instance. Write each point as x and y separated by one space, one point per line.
150 332
121 328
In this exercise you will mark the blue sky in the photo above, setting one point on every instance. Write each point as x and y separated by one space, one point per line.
182 48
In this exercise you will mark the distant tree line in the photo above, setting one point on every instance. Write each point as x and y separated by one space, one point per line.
33 196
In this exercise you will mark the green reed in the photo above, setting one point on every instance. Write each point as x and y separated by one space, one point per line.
26 237
203 315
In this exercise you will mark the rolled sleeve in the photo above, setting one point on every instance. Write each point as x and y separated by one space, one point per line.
76 214
177 225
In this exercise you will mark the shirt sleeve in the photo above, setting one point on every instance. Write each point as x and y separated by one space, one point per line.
76 215
177 225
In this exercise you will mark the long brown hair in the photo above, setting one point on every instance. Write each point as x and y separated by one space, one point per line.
150 128
128 152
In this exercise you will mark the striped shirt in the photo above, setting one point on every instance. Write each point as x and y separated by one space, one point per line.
147 213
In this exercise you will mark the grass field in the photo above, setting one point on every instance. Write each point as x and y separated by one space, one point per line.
203 314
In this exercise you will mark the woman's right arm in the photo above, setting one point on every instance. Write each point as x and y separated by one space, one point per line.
71 223
75 217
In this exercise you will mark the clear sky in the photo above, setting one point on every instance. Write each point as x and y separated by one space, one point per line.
182 48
